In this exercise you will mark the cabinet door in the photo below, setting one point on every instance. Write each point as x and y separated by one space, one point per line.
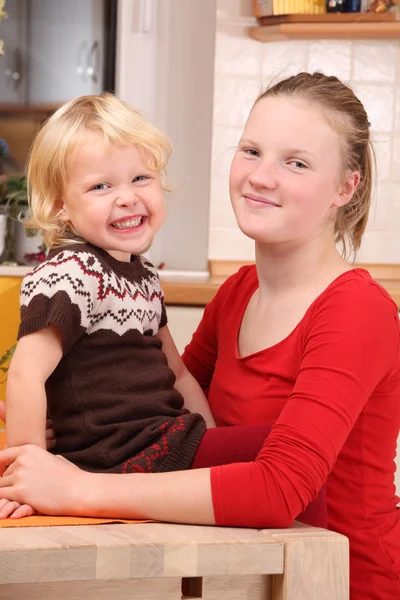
12 63
66 49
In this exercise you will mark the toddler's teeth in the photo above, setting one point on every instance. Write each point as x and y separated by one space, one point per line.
127 224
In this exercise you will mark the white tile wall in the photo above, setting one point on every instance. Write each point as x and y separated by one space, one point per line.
332 57
282 60
244 66
397 107
374 62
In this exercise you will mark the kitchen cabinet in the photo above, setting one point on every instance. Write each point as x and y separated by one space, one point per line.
66 49
13 73
54 50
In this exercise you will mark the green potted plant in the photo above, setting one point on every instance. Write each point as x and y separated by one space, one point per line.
5 363
22 245
4 366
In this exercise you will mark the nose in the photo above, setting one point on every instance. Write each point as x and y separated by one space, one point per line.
126 197
264 175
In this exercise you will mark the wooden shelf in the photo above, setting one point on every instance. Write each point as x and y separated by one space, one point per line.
329 26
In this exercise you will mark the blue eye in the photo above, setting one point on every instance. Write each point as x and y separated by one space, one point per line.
140 178
100 186
251 152
298 164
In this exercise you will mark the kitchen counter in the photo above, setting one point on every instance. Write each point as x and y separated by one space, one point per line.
198 293
183 291
189 293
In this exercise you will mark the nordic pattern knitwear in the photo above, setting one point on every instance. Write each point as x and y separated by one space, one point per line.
111 397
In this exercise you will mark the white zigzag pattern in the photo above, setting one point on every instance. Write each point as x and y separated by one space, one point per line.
105 300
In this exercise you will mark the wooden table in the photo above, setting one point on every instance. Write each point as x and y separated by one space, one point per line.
155 561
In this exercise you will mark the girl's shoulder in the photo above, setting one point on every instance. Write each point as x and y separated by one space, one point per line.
357 287
354 305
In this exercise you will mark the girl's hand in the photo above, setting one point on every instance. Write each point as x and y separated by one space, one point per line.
50 484
14 510
50 439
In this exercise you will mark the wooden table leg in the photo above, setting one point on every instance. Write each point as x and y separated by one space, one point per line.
316 565
237 587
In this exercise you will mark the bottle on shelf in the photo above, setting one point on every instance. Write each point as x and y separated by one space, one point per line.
335 6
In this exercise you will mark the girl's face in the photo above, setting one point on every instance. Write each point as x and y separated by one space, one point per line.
112 198
285 179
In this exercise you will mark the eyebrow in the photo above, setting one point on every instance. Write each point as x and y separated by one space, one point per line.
247 141
288 151
300 151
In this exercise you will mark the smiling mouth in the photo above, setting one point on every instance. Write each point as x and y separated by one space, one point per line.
261 200
128 223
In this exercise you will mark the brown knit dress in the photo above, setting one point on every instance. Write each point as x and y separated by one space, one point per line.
111 398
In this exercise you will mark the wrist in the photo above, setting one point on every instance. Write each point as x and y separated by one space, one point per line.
112 496
89 498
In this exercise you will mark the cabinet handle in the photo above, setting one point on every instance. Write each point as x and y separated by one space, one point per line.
92 60
142 12
145 16
15 73
81 53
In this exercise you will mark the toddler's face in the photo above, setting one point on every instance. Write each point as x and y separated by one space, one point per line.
112 198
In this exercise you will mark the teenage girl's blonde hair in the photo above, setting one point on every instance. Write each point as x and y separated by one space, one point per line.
348 118
63 133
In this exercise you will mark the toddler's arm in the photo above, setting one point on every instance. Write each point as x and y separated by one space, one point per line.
35 358
185 383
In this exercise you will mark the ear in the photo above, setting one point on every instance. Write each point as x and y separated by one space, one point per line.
62 212
347 189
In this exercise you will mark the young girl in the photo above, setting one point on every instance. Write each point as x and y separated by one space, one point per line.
301 339
94 347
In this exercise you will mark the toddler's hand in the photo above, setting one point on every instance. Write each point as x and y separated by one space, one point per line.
15 510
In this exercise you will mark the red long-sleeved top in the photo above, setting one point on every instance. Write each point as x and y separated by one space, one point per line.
332 390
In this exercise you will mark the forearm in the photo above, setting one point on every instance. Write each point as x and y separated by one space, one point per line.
26 411
185 383
178 497
194 397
